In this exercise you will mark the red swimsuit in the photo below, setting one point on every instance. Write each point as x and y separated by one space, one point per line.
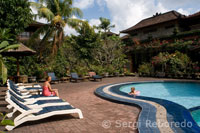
47 92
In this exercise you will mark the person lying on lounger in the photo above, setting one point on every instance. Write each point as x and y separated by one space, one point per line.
134 92
47 90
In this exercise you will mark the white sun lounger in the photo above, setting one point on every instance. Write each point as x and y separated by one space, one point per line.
34 103
28 114
24 89
41 103
27 96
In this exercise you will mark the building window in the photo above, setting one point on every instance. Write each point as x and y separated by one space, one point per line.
169 26
25 35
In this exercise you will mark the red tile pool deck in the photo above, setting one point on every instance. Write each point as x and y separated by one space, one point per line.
100 116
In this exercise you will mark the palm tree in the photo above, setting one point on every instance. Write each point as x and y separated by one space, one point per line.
105 24
58 13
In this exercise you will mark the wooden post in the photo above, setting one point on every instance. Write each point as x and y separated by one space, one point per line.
18 74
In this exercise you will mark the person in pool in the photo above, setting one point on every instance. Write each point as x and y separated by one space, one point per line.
134 92
47 90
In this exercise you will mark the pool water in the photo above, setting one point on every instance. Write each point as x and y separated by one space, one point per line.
196 116
185 94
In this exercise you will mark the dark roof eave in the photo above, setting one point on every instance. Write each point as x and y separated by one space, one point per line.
176 14
127 31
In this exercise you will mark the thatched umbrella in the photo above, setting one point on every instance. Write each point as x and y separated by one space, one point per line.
22 50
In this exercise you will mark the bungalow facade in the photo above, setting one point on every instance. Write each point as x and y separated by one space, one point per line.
159 26
26 35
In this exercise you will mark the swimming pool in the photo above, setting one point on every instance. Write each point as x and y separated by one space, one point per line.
196 116
186 94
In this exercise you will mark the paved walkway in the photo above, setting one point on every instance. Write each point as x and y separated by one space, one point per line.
100 116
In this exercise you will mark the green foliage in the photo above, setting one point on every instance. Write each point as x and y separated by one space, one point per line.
105 24
60 64
58 13
86 42
5 35
111 53
145 69
176 30
5 122
178 62
88 51
15 15
98 69
171 63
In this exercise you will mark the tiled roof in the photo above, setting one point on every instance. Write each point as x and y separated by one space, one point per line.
156 19
194 15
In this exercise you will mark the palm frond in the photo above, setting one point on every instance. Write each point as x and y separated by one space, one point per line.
47 35
36 5
42 11
4 44
46 13
56 3
73 22
38 32
77 12
13 46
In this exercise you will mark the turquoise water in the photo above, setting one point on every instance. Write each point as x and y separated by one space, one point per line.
185 94
196 116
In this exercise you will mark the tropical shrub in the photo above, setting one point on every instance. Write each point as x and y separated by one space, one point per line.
175 63
15 15
145 69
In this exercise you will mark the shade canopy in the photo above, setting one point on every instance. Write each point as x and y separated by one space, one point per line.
22 50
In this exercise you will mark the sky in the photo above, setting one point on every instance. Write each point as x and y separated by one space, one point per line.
126 13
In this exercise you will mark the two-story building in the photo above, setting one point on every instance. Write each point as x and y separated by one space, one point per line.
160 26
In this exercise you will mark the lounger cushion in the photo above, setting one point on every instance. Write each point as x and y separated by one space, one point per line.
15 96
49 101
97 77
53 76
37 96
15 90
19 104
54 108
33 88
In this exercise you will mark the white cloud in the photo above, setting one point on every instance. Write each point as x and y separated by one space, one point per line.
127 13
182 11
68 31
94 22
83 4
176 4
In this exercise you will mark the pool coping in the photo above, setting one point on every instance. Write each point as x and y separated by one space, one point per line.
175 112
